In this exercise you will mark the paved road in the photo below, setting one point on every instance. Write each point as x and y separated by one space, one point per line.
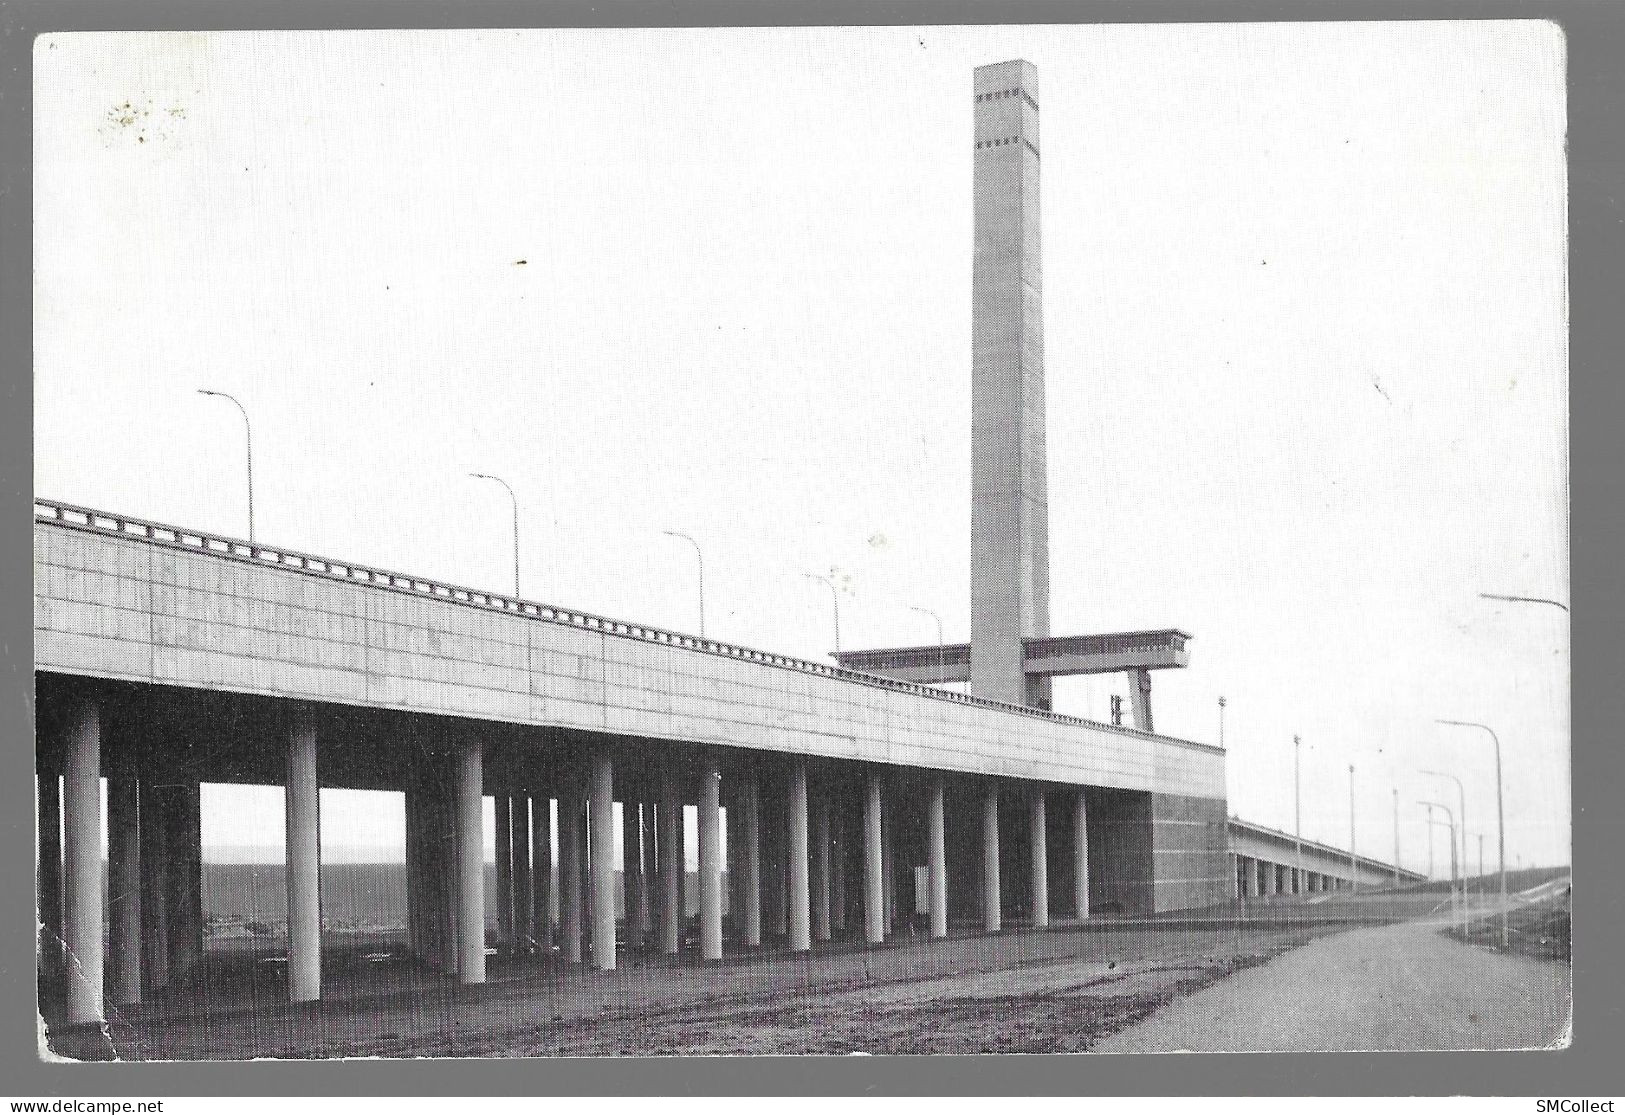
1397 987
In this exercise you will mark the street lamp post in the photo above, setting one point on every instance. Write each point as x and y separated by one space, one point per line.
700 558
1461 801
515 500
249 431
835 596
1524 599
1480 868
1222 703
1451 817
1354 877
942 670
1500 817
1396 837
1297 815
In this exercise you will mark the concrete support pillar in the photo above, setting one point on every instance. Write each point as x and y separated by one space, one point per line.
1139 686
937 857
646 903
49 874
186 879
800 893
888 866
524 883
572 845
837 896
541 867
992 915
632 867
470 862
710 834
751 865
775 884
447 886
670 816
504 852
424 876
1038 832
1271 878
302 810
601 818
124 887
82 862
1080 854
820 870
410 818
155 886
874 897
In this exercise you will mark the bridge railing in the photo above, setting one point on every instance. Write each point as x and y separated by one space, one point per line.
1127 642
163 534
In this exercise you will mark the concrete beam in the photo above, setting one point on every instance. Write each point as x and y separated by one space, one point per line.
937 857
888 862
302 808
710 834
602 821
646 900
820 870
49 874
1038 834
504 872
992 915
470 862
185 915
82 861
1139 687
124 887
524 882
572 848
837 914
1080 853
874 923
541 866
670 816
750 859
800 893
632 867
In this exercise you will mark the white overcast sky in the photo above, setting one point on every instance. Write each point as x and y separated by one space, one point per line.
1305 321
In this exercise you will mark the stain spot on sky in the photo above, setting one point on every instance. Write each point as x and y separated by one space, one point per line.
132 118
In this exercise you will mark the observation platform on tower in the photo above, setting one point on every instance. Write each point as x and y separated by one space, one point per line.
1052 656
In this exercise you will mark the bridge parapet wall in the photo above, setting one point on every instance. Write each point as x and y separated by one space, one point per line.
143 602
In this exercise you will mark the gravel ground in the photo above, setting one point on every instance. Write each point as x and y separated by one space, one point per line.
1041 992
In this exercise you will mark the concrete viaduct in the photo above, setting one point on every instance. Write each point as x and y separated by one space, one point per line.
167 657
1269 862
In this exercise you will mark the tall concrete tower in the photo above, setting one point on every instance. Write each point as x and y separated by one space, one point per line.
1009 577
1011 655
